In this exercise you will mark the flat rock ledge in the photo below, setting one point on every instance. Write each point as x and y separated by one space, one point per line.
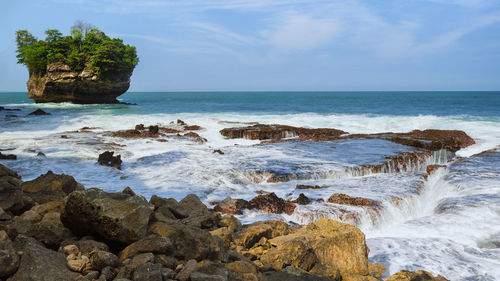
52 228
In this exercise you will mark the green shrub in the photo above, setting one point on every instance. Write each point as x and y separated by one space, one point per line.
107 57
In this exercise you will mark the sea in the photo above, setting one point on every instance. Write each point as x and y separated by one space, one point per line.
447 223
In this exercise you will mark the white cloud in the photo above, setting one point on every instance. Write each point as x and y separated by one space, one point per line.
294 31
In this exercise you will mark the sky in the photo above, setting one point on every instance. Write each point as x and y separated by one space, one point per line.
280 45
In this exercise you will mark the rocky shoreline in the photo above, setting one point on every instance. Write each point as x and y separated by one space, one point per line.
53 228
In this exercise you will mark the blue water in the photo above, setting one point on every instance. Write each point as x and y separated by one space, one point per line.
392 103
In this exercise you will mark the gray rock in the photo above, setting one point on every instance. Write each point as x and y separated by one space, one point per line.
153 243
39 263
9 259
186 271
118 217
148 272
50 187
102 259
11 195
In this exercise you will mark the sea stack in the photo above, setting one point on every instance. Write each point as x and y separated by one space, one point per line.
61 84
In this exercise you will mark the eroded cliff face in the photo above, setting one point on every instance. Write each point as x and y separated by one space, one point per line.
60 84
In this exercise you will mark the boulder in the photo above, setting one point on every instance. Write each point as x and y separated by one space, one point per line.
9 259
60 84
39 263
452 140
186 270
292 275
231 206
107 159
11 196
50 187
43 223
245 270
87 246
335 244
117 217
258 230
189 242
102 259
198 214
272 204
419 275
153 243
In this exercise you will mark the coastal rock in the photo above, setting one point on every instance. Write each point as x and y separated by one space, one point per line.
254 232
12 198
432 168
102 259
60 84
7 156
327 245
39 263
39 112
245 270
289 275
431 139
107 159
50 187
9 259
272 204
43 223
189 242
304 186
148 272
344 199
419 275
154 243
186 270
302 200
198 214
278 132
231 206
117 217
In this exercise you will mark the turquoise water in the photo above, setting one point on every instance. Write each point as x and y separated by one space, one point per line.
392 103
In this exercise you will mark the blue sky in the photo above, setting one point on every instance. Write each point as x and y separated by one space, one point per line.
192 45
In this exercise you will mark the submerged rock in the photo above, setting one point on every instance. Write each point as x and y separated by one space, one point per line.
7 156
60 84
39 112
107 159
117 217
231 206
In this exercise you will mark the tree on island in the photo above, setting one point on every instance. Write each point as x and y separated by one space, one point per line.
86 46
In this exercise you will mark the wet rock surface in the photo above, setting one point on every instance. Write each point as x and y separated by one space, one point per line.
107 158
278 132
39 112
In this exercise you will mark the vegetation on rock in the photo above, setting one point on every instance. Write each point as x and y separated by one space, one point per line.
107 57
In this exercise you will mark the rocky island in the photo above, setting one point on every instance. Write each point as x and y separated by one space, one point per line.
85 67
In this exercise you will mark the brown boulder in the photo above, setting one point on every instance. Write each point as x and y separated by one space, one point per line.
43 223
335 244
39 112
50 187
198 214
272 204
7 156
153 243
117 217
231 206
245 270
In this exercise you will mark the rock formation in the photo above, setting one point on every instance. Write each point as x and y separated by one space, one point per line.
164 239
60 84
